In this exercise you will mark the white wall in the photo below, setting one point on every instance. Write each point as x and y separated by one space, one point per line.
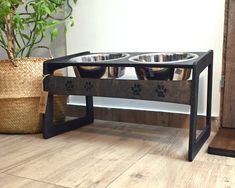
151 25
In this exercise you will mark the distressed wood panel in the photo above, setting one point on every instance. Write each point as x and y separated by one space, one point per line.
228 117
165 91
228 104
142 117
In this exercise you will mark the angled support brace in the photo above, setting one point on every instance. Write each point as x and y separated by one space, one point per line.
50 130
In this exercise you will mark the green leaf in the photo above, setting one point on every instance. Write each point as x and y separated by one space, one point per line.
48 11
54 33
65 29
71 21
31 20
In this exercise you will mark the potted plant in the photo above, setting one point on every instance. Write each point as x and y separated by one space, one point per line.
23 25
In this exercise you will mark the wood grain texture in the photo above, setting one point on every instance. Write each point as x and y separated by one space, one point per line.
8 181
142 117
16 149
228 111
95 163
223 143
156 90
160 173
111 154
226 12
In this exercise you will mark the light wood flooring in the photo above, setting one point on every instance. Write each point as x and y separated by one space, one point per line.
113 155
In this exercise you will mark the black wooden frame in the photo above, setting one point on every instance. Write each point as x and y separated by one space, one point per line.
68 85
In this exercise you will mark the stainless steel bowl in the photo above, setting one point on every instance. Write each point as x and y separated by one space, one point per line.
158 73
100 71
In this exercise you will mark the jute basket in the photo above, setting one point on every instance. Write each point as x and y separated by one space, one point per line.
20 90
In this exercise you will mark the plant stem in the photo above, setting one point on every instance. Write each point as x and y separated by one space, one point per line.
34 42
10 37
16 40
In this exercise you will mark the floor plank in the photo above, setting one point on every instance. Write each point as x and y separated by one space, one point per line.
8 181
158 171
18 149
94 163
203 156
114 154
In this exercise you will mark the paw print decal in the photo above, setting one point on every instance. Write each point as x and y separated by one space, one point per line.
88 86
136 89
69 85
161 91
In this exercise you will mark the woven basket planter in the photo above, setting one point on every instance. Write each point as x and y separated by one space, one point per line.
20 90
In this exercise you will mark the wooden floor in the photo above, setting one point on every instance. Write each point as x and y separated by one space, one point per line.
112 155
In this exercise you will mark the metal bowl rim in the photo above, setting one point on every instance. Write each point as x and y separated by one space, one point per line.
195 56
126 55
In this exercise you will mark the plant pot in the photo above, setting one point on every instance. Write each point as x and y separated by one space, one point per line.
20 90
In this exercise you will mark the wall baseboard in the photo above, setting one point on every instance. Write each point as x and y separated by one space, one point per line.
142 117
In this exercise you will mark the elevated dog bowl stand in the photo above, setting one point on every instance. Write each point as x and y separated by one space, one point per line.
183 92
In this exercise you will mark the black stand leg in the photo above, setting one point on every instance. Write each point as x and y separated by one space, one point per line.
50 130
195 143
89 109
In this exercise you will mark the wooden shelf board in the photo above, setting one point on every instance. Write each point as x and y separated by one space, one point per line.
223 143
